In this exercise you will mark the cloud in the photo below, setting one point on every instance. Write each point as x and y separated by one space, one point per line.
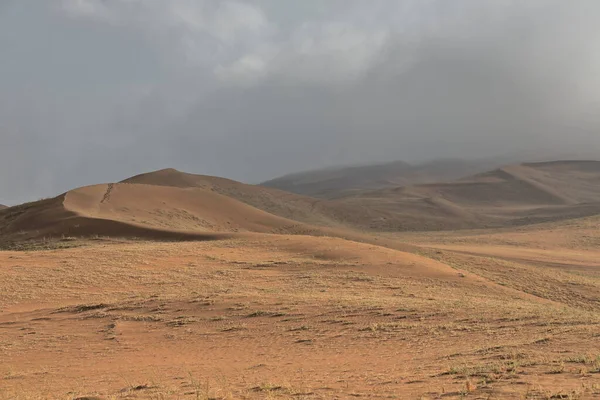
203 31
96 90
86 8
248 68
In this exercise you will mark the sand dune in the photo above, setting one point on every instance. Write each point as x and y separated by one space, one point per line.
517 194
141 211
365 213
171 208
303 209
511 195
173 204
51 218
273 201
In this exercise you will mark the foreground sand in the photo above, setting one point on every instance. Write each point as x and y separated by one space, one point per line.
498 315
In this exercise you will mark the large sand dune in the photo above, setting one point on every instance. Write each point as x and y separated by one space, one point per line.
171 208
141 211
338 214
277 202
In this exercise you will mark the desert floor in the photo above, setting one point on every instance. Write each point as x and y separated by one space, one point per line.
504 314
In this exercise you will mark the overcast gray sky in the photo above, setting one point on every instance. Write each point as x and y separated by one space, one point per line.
97 90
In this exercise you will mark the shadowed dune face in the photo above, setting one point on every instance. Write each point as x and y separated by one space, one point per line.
51 218
39 216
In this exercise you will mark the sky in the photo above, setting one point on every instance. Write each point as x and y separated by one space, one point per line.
95 91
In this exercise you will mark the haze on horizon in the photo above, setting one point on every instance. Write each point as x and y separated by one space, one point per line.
98 90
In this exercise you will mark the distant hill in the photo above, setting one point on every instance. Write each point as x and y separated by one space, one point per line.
342 181
546 183
2 206
332 181
169 204
516 194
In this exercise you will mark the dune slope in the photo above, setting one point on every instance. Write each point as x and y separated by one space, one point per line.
516 194
171 208
140 211
303 209
556 183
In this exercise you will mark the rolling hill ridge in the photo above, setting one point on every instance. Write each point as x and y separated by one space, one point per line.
169 204
343 181
516 194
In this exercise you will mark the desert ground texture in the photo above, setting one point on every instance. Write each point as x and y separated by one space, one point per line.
493 315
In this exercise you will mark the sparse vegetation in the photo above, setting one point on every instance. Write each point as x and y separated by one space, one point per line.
297 317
